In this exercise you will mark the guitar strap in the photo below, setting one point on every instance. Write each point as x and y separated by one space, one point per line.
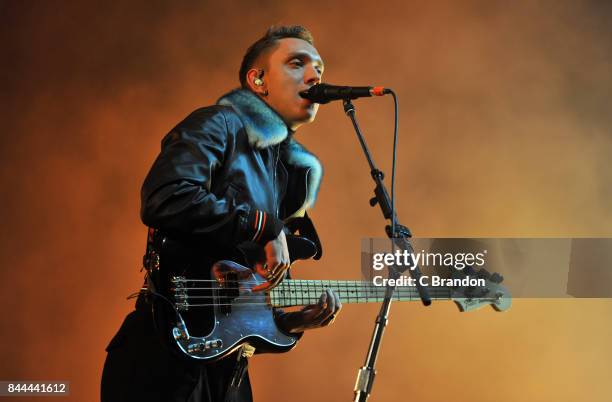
306 228
150 259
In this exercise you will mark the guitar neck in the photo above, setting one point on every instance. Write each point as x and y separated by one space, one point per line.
299 292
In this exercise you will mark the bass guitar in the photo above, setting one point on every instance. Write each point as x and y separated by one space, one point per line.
209 316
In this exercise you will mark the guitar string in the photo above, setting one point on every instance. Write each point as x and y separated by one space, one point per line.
304 287
314 287
283 292
347 293
340 281
300 282
284 295
291 303
288 302
286 292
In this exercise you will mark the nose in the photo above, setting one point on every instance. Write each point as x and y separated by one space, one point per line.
312 75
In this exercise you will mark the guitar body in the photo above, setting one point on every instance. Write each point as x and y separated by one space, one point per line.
207 312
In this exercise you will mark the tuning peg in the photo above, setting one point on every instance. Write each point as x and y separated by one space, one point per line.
469 270
456 274
497 278
476 291
484 274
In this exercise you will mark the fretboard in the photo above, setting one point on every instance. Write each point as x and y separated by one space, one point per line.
299 292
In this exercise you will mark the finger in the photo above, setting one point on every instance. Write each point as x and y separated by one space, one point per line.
262 287
272 271
280 274
273 265
329 321
338 303
267 273
316 310
325 317
337 309
283 266
261 269
276 269
331 304
333 309
323 300
327 309
272 281
276 280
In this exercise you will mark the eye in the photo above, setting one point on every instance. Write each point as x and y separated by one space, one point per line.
296 63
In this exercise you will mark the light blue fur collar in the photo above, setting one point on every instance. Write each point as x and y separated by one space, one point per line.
263 125
265 128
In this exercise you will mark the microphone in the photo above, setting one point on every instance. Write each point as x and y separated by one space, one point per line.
324 93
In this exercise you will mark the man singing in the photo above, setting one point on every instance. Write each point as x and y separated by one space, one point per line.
229 175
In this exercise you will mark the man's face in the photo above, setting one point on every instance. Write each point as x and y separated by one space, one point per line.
291 67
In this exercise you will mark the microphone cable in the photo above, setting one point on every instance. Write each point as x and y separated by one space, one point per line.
393 163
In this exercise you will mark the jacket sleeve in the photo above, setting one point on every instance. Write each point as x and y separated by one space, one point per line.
177 193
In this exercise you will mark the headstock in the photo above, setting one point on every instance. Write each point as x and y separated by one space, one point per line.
473 297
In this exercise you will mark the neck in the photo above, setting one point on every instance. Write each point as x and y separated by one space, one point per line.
299 292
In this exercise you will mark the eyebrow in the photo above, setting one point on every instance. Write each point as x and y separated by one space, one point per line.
305 55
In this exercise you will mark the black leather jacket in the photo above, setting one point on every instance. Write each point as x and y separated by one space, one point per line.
227 174
230 173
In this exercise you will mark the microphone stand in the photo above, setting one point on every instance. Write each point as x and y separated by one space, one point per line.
365 376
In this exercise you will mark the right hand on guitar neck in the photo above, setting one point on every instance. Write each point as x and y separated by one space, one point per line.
277 263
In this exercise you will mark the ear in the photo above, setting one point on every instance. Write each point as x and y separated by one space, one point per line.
253 74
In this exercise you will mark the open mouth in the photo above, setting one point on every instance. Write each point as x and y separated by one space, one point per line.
306 101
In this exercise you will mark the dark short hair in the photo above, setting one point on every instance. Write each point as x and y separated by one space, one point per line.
272 35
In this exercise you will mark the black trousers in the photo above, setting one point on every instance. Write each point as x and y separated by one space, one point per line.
138 368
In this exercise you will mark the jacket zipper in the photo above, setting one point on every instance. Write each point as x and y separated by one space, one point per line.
275 184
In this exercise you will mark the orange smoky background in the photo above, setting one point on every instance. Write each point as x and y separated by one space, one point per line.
505 130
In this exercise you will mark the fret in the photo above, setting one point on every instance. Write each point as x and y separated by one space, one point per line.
297 292
301 292
294 295
315 292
